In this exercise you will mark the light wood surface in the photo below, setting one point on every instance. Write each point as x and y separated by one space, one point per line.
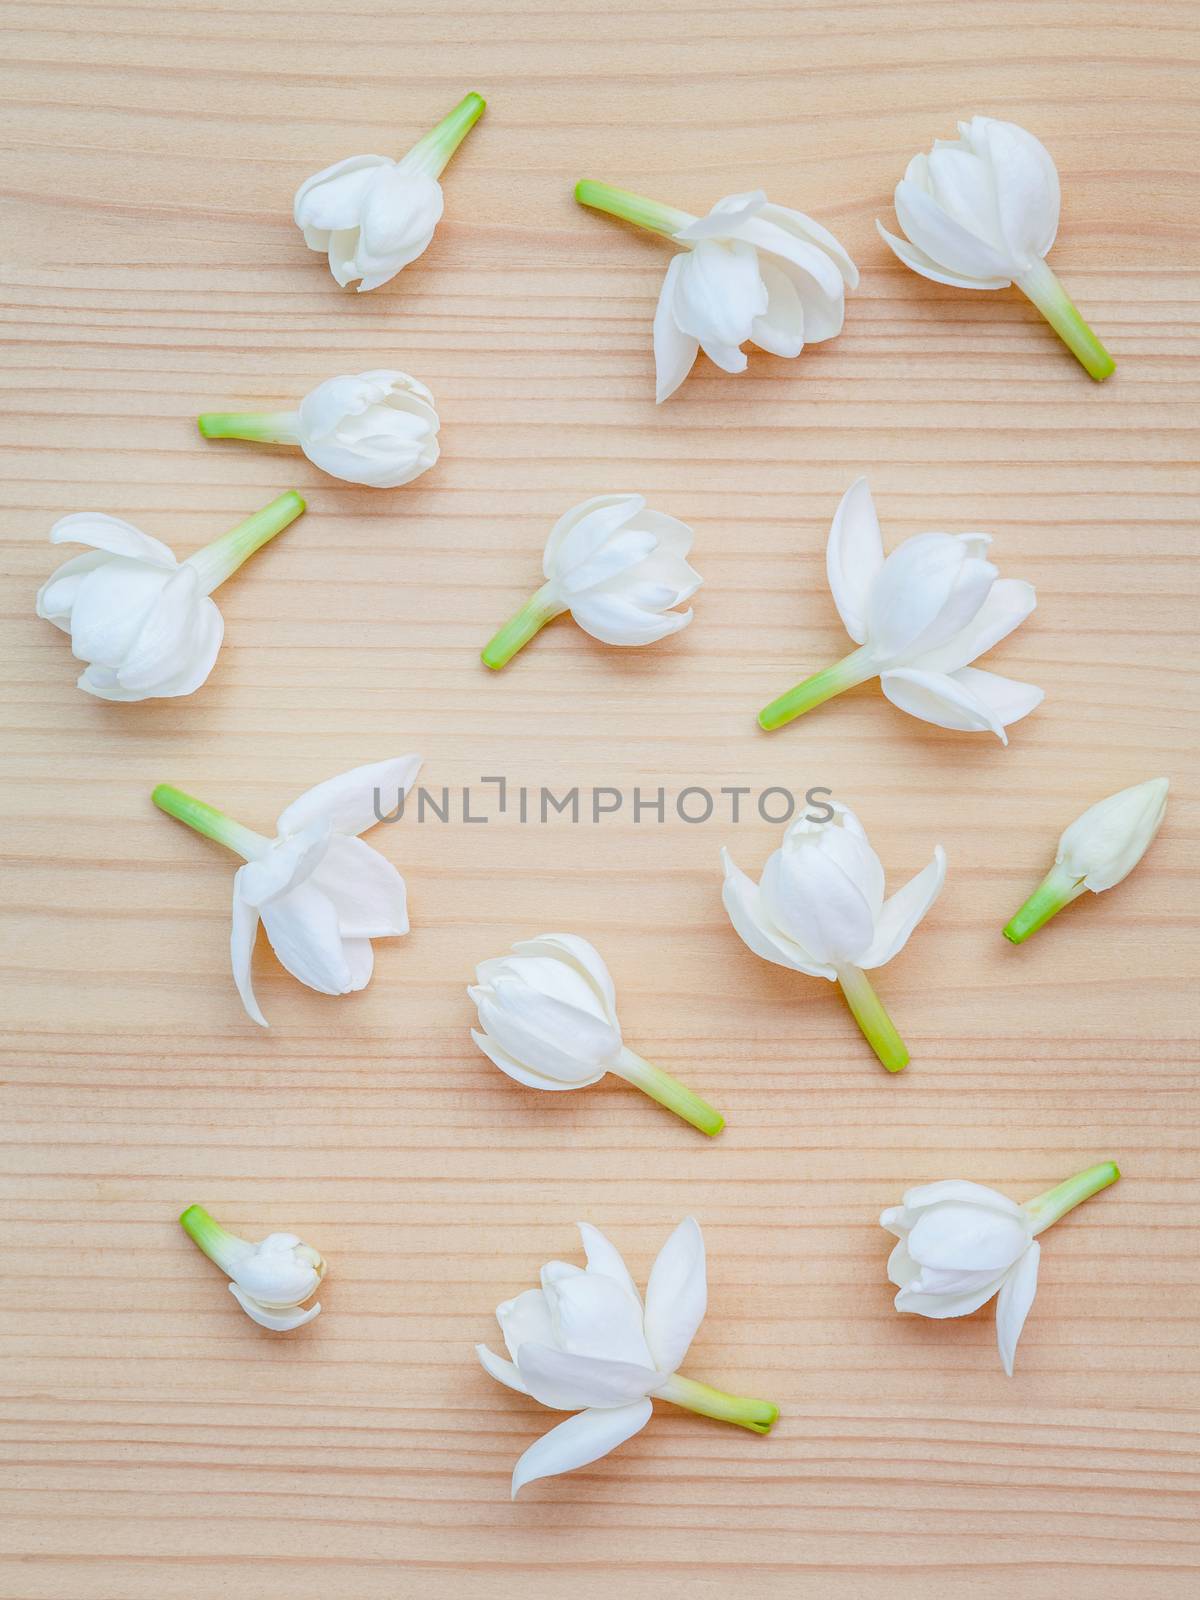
156 1445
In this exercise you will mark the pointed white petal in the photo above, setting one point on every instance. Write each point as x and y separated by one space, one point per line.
272 1317
583 956
526 1319
503 1371
780 329
853 557
112 535
333 198
1009 602
676 1296
1013 1303
566 1382
368 893
349 801
743 903
674 350
939 698
242 935
903 910
1007 699
303 930
917 261
944 240
961 1192
596 1316
579 1441
604 1257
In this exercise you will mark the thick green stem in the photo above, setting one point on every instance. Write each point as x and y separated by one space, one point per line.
635 208
430 154
226 1249
220 559
516 633
1056 890
878 1028
757 1415
1041 286
264 427
1056 1202
213 824
668 1091
845 674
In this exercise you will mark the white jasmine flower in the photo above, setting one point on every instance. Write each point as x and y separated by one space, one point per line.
1099 849
819 908
321 893
617 567
270 1280
142 621
981 212
548 1018
584 1342
920 618
750 272
372 215
961 1243
375 428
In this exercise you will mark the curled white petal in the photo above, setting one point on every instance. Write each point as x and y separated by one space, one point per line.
579 1441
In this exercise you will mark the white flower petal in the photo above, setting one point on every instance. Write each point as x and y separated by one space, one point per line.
676 1296
803 227
367 892
544 1034
503 1371
810 897
276 1320
580 954
966 1239
1026 186
780 329
1009 602
719 292
604 1257
902 911
944 240
112 535
348 802
582 530
854 557
567 1382
243 932
178 642
615 620
1105 844
596 1316
303 929
942 1306
674 350
1013 1304
109 607
579 1441
725 217
917 261
961 1192
287 863
941 699
522 1074
526 1319
743 903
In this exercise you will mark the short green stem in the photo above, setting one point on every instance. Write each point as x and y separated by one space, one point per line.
264 427
1055 1203
516 633
430 154
220 559
668 1091
635 208
1041 286
1056 890
757 1415
878 1028
210 822
226 1249
845 674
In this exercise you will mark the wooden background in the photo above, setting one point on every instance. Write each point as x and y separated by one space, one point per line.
156 1445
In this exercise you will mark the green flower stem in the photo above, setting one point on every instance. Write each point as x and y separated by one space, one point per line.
1055 1203
853 669
213 824
430 154
1056 890
220 559
226 1249
668 1091
878 1028
1041 286
516 633
757 1415
264 427
633 208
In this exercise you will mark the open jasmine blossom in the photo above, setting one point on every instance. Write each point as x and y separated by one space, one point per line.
617 567
371 215
270 1280
1096 852
920 618
548 1015
320 892
142 621
376 428
750 272
981 212
584 1342
961 1243
819 908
